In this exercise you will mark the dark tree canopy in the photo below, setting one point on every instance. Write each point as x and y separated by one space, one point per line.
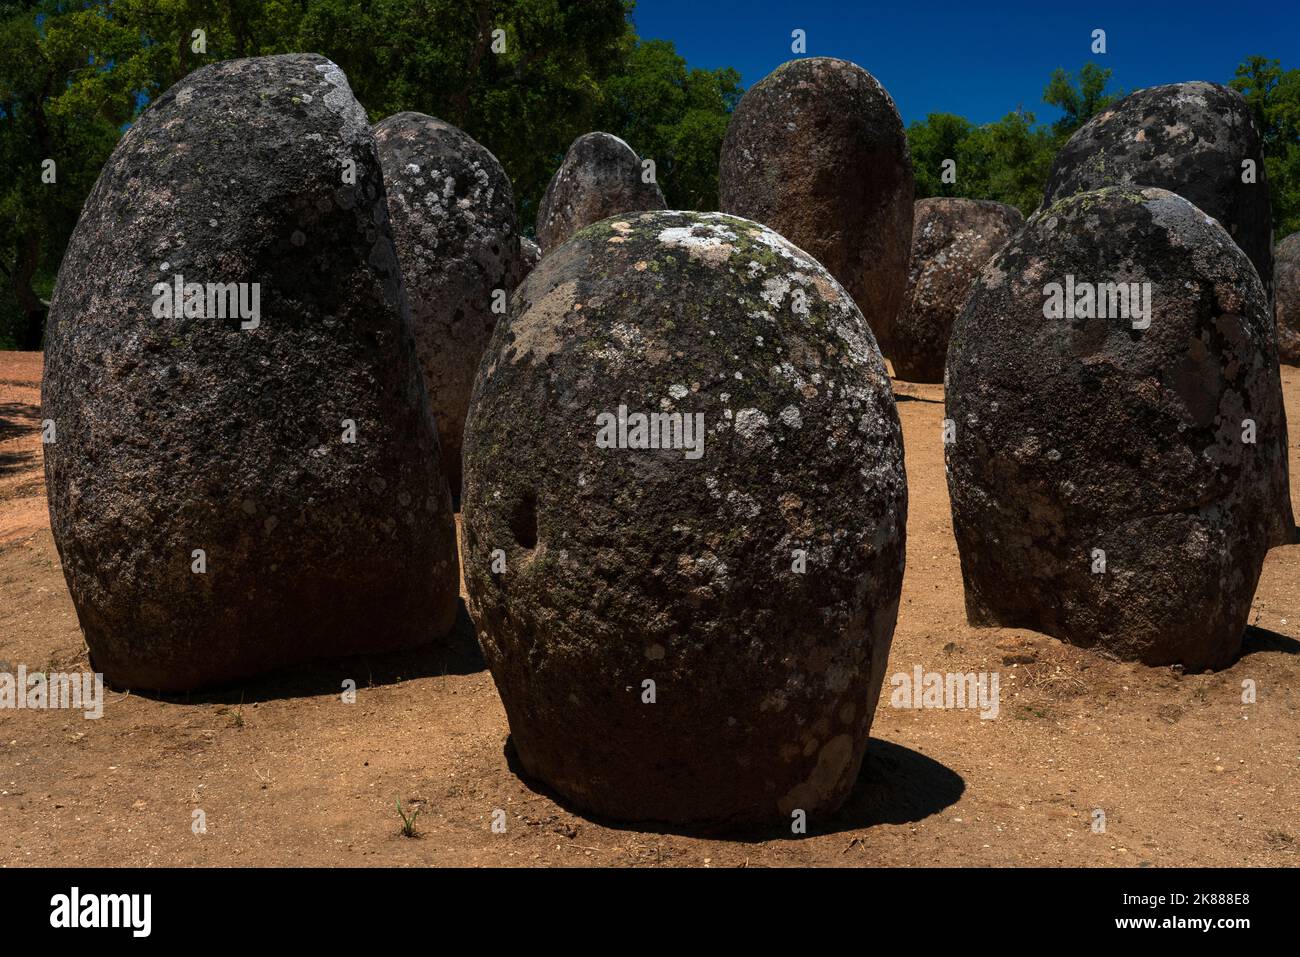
73 76
1007 161
1274 97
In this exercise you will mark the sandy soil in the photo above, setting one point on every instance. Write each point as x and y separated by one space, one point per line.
286 773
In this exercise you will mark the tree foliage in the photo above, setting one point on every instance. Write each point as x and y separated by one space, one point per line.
675 116
1274 97
934 140
1078 97
73 75
67 87
1007 161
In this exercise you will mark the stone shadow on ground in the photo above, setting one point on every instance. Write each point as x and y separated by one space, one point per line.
16 462
906 397
896 785
1258 639
15 419
457 654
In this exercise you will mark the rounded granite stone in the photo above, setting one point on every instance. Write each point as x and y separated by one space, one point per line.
952 239
1115 470
600 176
453 216
1189 138
687 615
816 150
213 519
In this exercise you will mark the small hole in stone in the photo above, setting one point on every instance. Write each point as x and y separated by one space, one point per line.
523 520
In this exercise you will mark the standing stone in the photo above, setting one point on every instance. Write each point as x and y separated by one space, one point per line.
952 239
816 150
601 176
1286 298
453 214
1198 140
213 517
1189 138
696 631
1107 485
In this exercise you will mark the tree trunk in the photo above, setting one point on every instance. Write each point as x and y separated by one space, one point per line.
461 100
33 327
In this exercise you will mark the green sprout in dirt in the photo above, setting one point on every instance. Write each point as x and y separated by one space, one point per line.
408 820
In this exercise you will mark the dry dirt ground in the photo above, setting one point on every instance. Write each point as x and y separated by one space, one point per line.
286 773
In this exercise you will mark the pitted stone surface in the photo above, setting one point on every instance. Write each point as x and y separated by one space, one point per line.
600 176
622 565
453 215
952 239
179 433
1101 488
816 150
1188 138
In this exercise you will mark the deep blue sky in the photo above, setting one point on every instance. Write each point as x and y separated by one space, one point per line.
981 60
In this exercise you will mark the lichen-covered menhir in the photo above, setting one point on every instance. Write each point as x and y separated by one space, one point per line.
246 474
684 522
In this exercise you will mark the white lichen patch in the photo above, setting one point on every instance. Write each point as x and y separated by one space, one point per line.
780 245
629 343
776 289
857 339
743 504
340 98
713 567
711 244
751 425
